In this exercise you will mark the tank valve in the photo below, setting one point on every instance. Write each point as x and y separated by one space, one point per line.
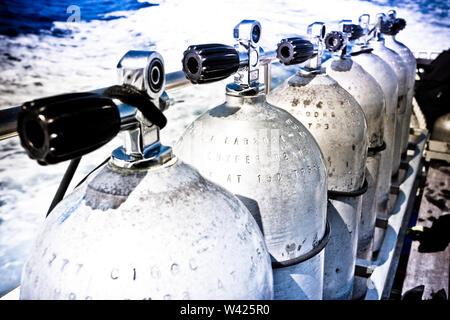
213 62
294 50
337 41
210 62
353 31
390 24
334 41
298 50
316 32
68 126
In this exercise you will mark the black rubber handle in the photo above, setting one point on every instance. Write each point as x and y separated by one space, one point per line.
334 41
294 51
355 31
67 126
392 26
209 62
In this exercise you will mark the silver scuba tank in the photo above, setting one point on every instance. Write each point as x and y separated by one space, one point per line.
399 67
147 225
368 93
338 124
390 26
397 64
385 76
264 156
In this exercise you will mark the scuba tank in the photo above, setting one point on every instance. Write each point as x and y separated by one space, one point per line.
390 26
368 93
147 225
361 53
338 124
264 156
376 42
386 78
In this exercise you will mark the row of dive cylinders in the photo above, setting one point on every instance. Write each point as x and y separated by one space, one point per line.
263 197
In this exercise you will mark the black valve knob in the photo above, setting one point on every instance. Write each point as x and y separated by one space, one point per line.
209 62
67 126
294 51
353 30
334 41
392 26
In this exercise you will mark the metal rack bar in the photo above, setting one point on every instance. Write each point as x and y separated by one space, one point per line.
381 280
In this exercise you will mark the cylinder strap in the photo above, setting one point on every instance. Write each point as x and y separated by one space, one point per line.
333 194
133 97
322 243
374 150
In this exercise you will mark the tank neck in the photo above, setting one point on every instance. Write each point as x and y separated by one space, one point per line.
378 43
238 98
389 38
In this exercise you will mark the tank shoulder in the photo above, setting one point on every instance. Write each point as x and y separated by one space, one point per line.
320 99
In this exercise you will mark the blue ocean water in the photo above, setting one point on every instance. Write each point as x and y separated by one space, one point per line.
28 16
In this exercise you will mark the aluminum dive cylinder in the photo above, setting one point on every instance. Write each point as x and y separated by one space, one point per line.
390 26
147 225
377 43
386 78
361 53
338 124
368 93
264 156
397 64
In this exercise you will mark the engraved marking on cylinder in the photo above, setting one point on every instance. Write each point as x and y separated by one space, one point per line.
114 274
52 259
193 264
202 243
65 262
79 267
242 236
134 273
72 296
167 297
175 268
248 227
290 248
